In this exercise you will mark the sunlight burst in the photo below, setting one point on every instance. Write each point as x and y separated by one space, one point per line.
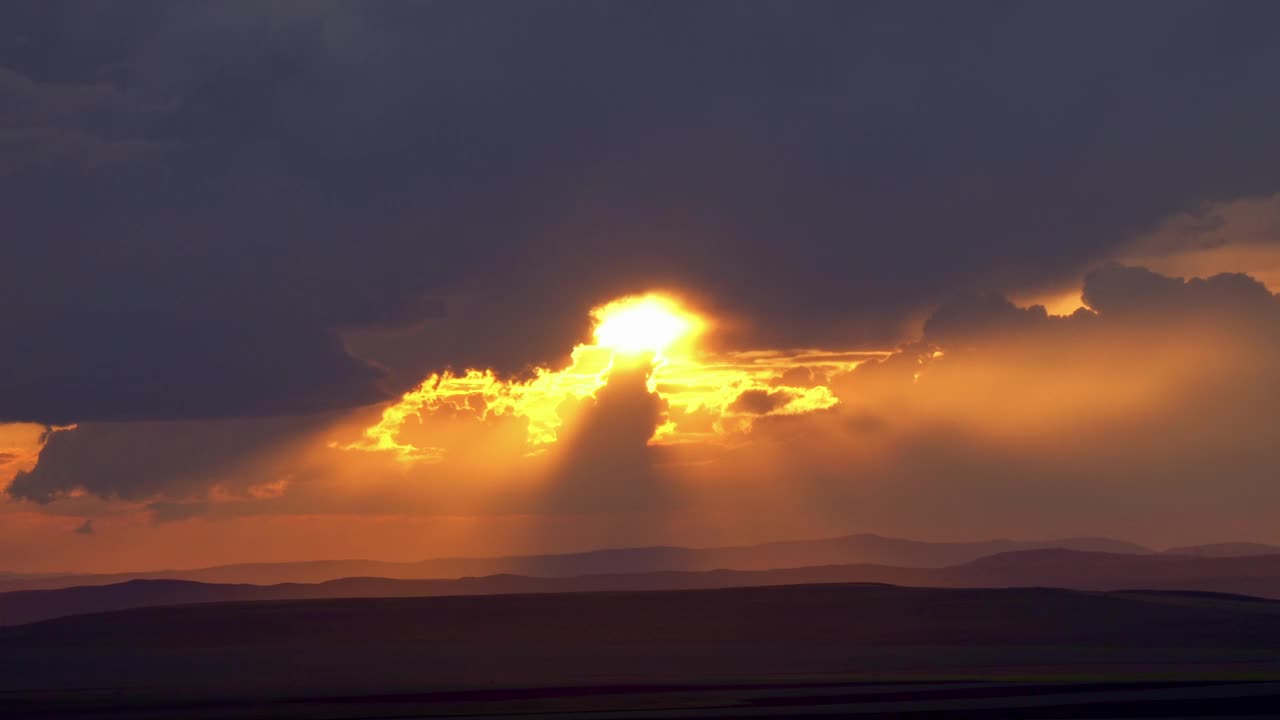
708 396
647 323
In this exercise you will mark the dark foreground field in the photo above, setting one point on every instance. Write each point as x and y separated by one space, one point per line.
756 652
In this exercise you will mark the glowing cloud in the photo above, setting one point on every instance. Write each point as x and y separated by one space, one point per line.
709 397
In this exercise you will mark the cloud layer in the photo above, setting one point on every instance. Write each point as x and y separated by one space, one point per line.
236 233
1152 415
199 199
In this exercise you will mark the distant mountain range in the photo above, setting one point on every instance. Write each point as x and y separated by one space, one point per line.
851 549
1244 575
1236 549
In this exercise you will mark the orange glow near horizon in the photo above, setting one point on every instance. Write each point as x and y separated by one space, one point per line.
709 396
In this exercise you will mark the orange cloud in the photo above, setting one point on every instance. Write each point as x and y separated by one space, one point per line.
20 446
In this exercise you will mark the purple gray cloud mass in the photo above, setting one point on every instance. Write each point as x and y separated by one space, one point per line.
235 231
199 197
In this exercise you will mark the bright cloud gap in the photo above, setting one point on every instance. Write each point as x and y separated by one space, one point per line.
710 397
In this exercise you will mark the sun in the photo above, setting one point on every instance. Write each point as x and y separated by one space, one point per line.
647 323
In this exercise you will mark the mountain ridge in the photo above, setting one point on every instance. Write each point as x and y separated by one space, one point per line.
848 549
1257 576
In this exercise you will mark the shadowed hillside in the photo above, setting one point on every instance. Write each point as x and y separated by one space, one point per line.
268 657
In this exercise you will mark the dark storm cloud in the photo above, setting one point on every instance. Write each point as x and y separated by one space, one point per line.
1124 290
199 196
1124 298
140 461
980 314
158 363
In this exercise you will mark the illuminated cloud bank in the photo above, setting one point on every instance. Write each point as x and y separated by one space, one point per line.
1150 414
708 396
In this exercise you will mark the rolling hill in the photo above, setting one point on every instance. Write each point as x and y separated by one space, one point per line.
1255 575
425 656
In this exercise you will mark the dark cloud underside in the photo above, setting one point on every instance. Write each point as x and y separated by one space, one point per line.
199 196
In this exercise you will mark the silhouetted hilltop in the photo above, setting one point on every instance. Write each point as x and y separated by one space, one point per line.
785 648
1228 549
1256 576
785 616
1249 575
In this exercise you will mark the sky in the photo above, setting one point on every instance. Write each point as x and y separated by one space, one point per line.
304 280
